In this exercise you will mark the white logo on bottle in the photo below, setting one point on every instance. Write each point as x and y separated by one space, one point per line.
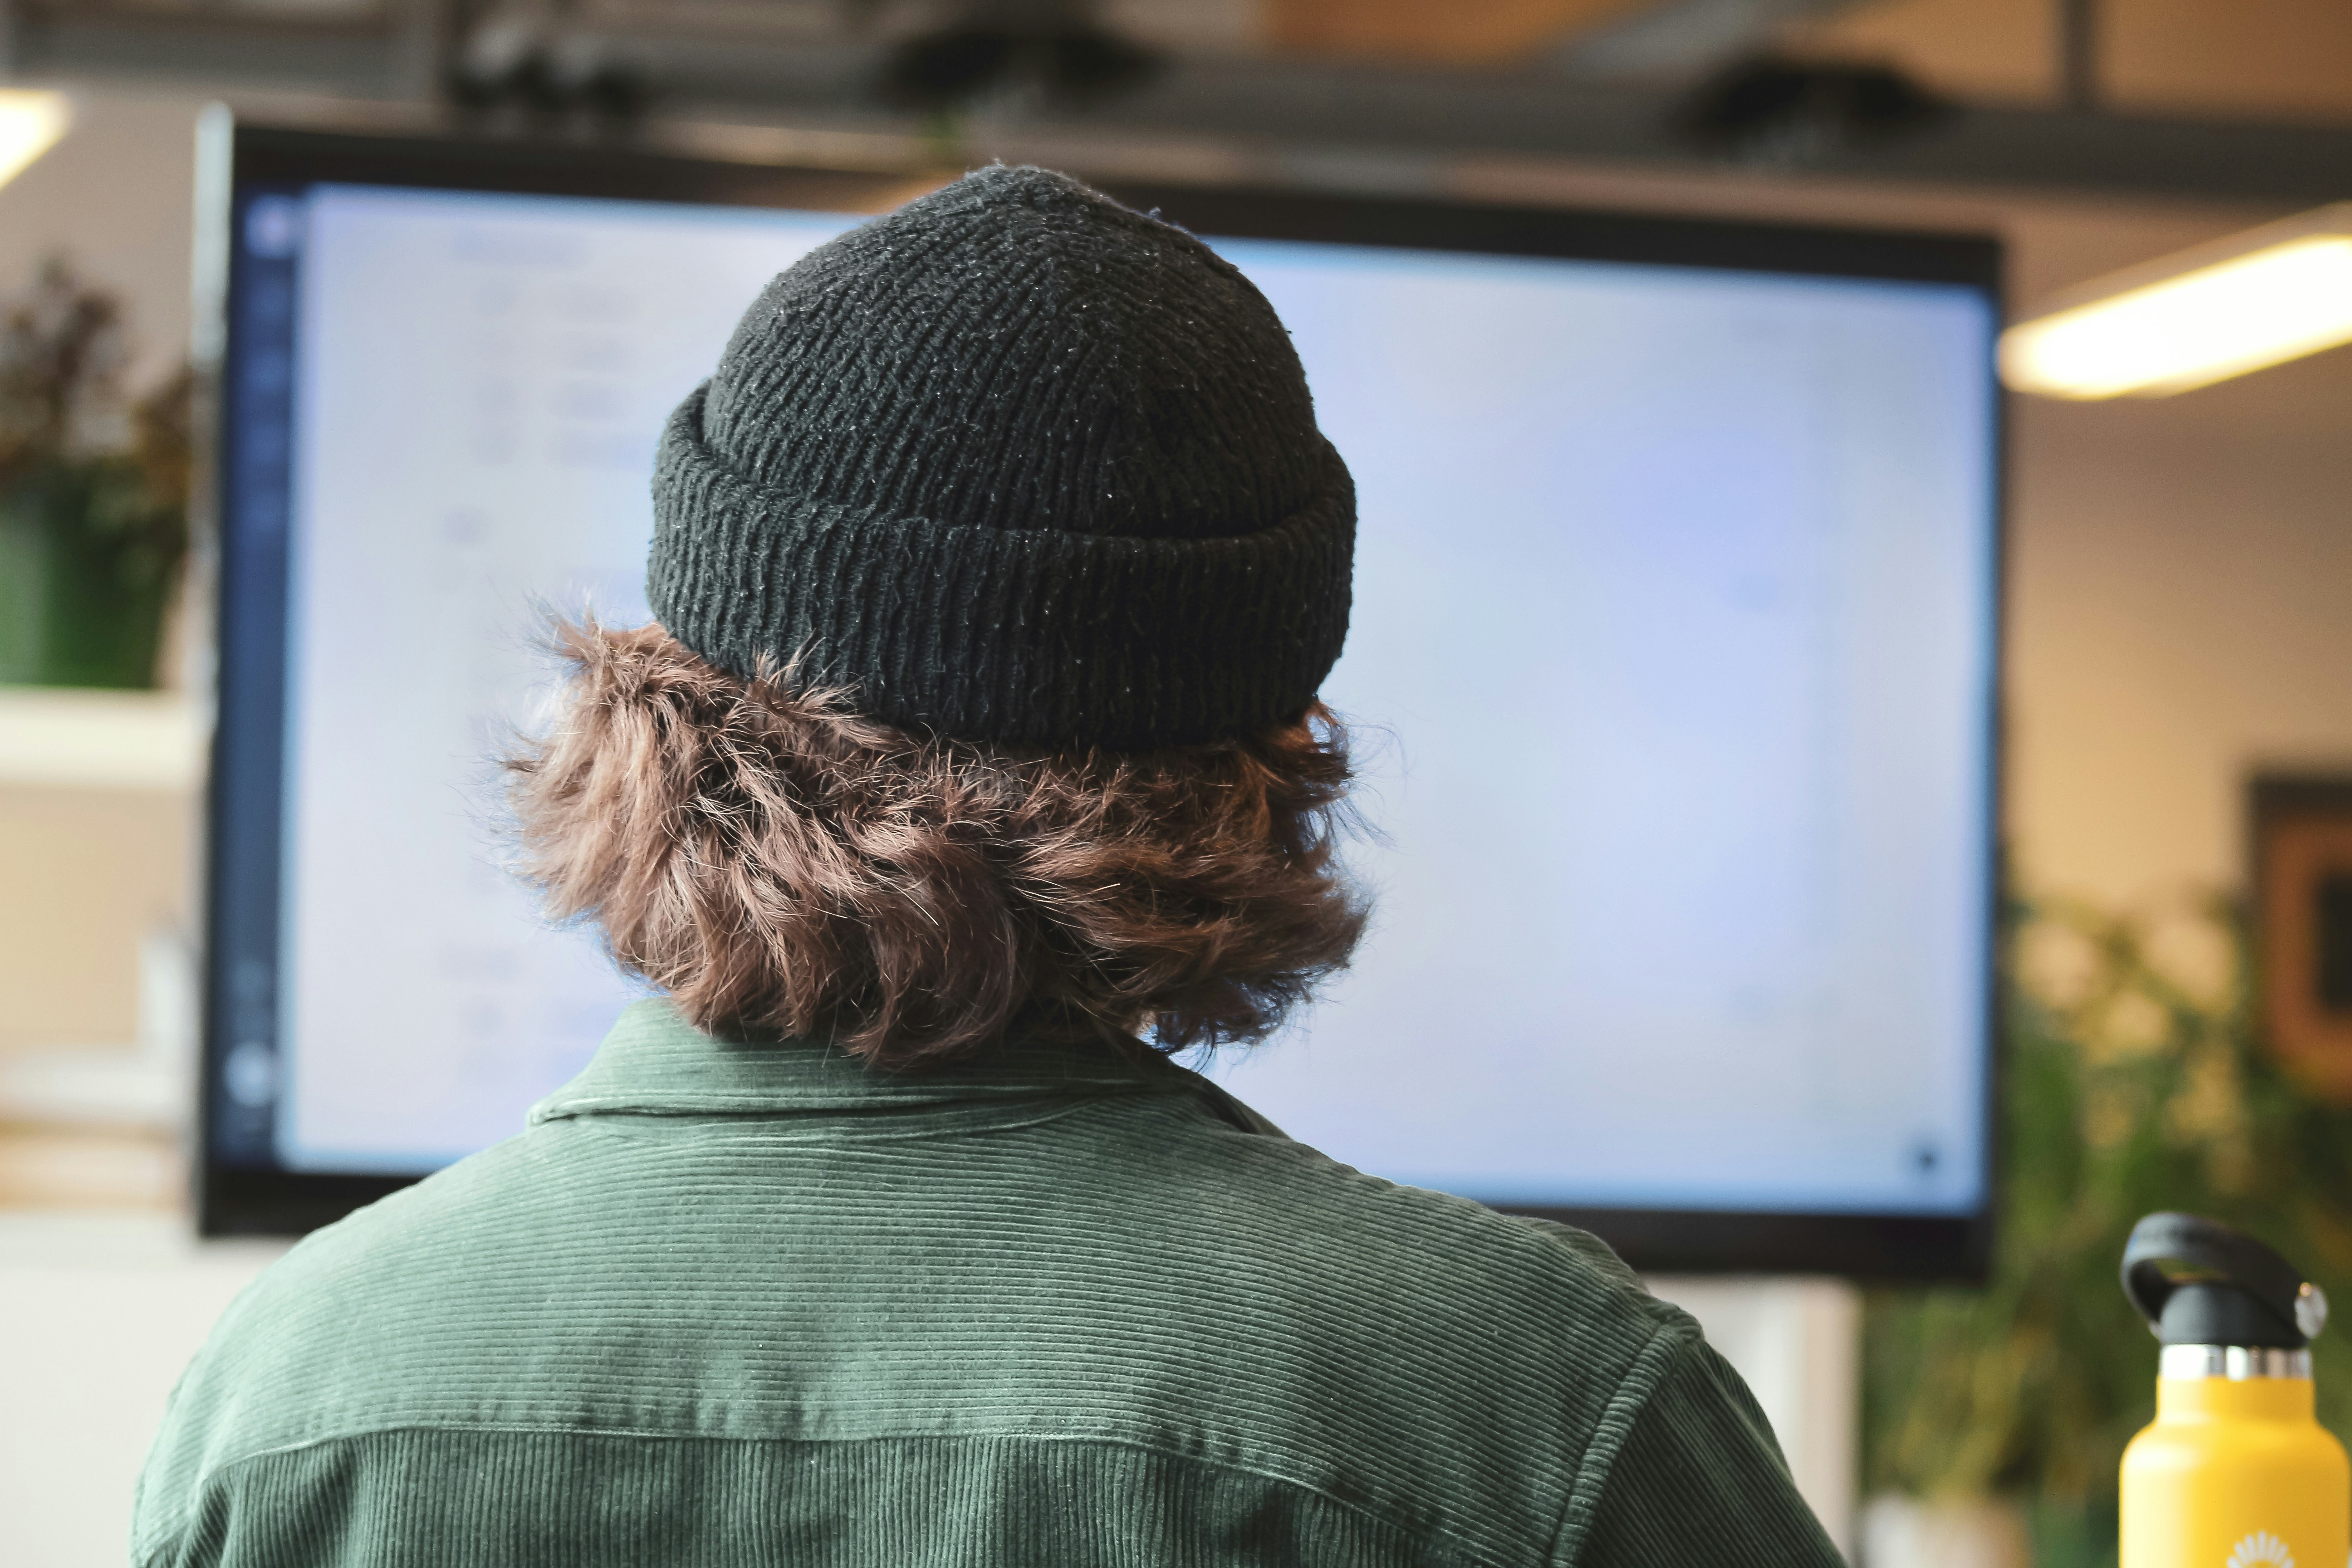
2261 1550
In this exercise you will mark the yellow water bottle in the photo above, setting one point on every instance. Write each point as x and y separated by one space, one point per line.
2235 1471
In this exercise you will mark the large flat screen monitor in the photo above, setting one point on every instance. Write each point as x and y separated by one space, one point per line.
1673 669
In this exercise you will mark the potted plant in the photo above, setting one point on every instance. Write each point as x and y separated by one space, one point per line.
2132 1084
93 492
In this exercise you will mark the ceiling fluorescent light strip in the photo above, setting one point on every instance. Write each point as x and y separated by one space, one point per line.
30 123
2253 300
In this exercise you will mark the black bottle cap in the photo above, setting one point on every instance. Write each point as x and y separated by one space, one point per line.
2199 1282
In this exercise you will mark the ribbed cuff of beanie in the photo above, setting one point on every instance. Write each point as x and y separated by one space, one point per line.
1018 635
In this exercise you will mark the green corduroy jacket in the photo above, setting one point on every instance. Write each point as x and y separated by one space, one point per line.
737 1304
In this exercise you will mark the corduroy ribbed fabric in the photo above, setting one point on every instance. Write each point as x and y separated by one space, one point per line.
1012 464
730 1304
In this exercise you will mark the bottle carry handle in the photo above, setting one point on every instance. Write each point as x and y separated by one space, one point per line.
2170 1251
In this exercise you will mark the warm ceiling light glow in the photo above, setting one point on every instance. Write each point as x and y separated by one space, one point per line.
2271 294
30 124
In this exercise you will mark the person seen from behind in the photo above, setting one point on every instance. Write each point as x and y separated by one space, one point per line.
974 765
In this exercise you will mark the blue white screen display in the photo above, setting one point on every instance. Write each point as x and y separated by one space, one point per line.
1671 669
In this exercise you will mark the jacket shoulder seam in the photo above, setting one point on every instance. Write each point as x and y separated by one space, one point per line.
148 1555
1643 1375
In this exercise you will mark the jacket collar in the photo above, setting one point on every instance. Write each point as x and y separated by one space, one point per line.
655 1063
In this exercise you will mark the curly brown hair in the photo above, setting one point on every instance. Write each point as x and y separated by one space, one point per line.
781 866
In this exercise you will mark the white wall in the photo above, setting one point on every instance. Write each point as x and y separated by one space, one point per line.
97 1316
2182 613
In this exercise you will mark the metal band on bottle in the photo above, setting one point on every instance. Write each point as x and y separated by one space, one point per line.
2239 1363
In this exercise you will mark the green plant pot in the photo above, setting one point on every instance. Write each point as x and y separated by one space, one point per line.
84 580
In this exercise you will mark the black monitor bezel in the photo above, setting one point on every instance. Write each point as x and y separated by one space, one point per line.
244 805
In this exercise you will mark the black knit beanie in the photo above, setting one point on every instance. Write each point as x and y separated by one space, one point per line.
1012 464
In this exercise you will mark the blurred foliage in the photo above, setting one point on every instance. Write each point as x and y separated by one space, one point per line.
2134 1080
93 490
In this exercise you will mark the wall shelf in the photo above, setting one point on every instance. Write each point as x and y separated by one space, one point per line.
57 738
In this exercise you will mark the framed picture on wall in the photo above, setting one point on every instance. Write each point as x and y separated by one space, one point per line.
2302 912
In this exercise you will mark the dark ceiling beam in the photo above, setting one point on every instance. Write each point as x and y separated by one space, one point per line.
1548 115
393 51
1285 107
1680 40
358 61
